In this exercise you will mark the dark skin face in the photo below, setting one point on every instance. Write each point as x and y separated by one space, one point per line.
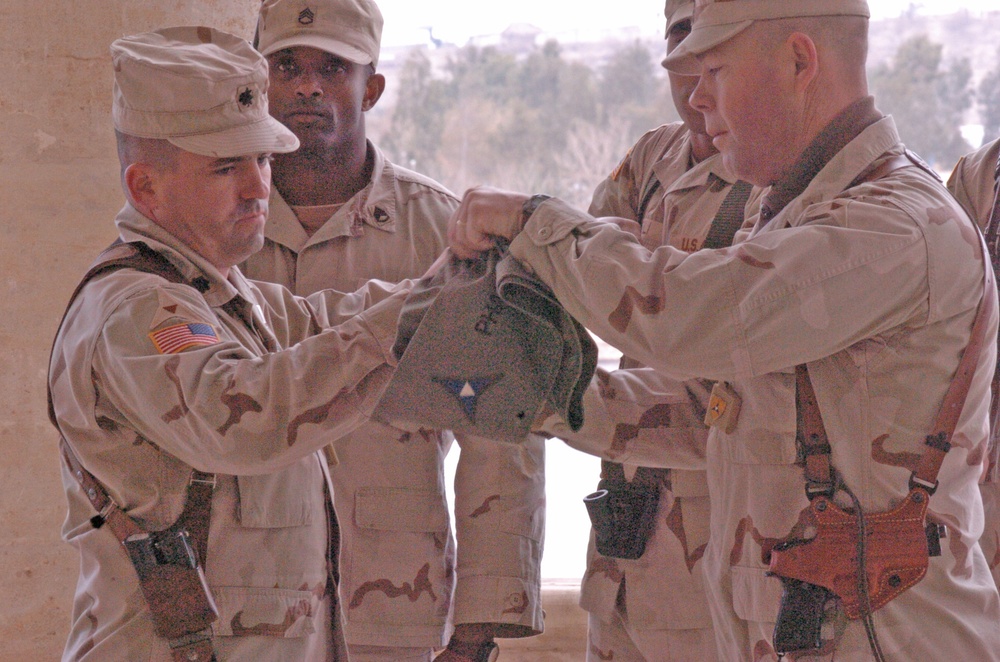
681 88
322 98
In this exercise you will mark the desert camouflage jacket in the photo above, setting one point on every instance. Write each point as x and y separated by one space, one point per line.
677 202
874 286
399 576
150 378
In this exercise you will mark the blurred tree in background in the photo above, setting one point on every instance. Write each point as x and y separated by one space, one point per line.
538 123
989 101
545 122
927 100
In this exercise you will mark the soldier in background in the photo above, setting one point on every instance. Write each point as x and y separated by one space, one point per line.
341 213
193 402
974 182
833 330
674 184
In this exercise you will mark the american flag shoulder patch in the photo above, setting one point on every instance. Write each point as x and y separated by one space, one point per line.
177 338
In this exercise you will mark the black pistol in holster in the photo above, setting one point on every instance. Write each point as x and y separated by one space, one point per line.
172 582
623 513
864 560
166 562
826 567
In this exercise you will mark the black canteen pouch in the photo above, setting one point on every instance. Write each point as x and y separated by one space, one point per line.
623 515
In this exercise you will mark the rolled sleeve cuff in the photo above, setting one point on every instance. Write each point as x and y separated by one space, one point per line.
513 604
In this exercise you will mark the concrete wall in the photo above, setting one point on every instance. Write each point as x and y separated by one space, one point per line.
59 192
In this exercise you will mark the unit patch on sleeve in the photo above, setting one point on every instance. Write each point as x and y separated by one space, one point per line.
177 338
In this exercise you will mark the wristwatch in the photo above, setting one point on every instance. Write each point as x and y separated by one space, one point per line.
530 205
485 652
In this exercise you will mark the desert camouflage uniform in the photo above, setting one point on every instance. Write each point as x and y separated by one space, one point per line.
973 183
875 288
398 568
665 608
973 180
139 420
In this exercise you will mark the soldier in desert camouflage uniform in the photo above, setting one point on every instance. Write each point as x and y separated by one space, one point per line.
860 267
973 182
152 379
342 213
673 182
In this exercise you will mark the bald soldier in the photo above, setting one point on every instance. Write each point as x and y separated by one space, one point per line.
193 402
653 607
834 332
342 213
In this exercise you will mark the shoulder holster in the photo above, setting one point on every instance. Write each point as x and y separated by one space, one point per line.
893 546
169 563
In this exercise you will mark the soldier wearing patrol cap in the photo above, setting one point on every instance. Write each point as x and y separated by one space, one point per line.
851 334
192 402
673 182
341 213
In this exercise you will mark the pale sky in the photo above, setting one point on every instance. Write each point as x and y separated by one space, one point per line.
456 21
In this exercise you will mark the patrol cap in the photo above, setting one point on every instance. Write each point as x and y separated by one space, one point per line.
716 21
351 29
201 89
676 11
474 362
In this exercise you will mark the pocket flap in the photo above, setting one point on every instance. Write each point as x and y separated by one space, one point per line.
400 509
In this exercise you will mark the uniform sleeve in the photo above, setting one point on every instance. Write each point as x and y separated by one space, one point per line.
221 407
742 311
639 416
617 194
959 188
500 530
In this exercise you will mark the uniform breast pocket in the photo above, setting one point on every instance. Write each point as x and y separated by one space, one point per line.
291 497
765 429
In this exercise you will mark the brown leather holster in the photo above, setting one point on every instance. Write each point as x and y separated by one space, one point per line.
896 553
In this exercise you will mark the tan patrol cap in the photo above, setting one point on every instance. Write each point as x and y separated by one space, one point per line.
718 21
676 11
351 29
201 89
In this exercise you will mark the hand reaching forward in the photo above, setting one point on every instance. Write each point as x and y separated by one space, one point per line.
485 213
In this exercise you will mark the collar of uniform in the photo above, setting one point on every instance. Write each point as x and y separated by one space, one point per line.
702 174
873 142
374 205
134 226
844 128
672 165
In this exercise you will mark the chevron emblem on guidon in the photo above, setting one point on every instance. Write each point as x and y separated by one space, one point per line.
467 391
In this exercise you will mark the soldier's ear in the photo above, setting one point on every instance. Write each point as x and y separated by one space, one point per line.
374 87
805 58
140 183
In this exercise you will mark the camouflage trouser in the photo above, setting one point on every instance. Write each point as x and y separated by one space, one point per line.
617 640
389 654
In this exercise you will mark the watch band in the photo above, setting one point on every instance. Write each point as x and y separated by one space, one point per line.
484 652
530 205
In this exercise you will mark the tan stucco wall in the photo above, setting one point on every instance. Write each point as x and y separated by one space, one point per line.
59 192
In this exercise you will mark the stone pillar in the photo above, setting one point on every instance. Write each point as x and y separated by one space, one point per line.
59 192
